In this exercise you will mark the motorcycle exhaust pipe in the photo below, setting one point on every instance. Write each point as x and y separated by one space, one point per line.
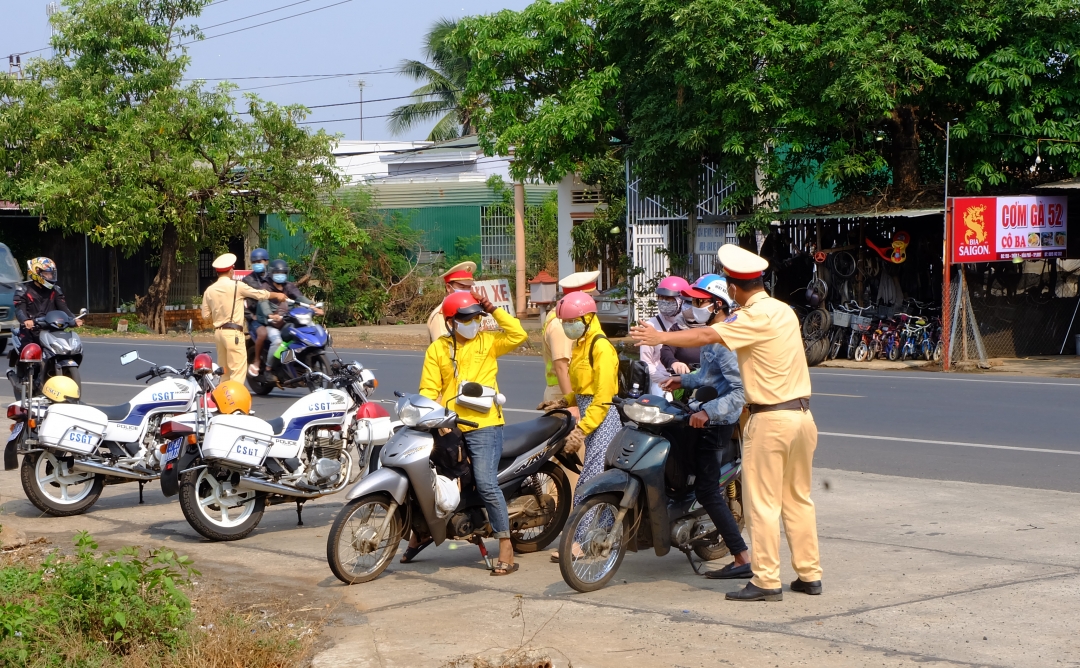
83 466
276 488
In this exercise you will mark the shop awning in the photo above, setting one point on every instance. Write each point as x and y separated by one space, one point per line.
1067 184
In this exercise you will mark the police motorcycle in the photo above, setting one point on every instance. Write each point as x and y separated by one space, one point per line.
645 497
59 350
308 341
405 492
231 466
72 450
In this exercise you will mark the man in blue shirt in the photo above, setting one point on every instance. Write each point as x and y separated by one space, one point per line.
717 419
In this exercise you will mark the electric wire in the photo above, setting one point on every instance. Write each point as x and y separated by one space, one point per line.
385 70
249 16
265 23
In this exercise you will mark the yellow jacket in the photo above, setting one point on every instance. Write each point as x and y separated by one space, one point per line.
600 379
475 363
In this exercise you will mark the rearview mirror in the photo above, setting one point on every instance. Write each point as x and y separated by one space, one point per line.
288 357
472 390
128 358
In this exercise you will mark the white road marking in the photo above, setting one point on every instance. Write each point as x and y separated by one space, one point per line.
846 396
962 444
89 382
939 376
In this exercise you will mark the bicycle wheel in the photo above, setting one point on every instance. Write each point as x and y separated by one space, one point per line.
853 344
861 352
894 352
837 344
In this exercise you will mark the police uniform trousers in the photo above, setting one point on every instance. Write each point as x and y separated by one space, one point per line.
778 450
232 353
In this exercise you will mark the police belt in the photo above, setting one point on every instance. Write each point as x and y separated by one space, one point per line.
793 405
232 325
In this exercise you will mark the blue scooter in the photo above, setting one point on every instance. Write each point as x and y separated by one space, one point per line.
308 341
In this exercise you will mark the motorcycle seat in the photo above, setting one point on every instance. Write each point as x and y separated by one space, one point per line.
524 436
277 424
115 413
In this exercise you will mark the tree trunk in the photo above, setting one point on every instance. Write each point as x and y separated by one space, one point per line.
151 308
904 161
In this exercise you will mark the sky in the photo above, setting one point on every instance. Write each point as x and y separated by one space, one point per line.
348 36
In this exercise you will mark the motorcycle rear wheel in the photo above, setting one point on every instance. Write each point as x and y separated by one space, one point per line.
599 561
54 489
209 508
553 482
351 539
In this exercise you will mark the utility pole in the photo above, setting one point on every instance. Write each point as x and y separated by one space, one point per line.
15 66
519 246
360 83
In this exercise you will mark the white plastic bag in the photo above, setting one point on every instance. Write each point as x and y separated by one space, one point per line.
447 496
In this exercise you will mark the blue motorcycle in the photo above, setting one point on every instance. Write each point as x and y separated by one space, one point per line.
308 341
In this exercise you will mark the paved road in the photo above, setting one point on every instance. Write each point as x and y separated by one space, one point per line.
1019 431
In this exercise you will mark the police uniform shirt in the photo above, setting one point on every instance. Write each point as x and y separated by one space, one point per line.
223 301
765 334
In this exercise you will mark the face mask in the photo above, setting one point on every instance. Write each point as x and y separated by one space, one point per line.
468 330
258 267
669 308
574 329
280 278
702 315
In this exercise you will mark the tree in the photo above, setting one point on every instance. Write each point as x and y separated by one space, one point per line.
104 139
441 95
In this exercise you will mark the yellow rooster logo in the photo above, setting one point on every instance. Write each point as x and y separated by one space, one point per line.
976 226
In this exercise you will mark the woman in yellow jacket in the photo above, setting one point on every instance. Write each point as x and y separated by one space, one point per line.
594 376
464 355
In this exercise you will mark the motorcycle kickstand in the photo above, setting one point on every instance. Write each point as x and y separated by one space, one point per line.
479 542
696 567
141 483
300 513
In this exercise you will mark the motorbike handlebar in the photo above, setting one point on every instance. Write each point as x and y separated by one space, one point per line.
145 374
468 423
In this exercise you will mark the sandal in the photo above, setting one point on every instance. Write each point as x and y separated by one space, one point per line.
411 552
506 568
577 553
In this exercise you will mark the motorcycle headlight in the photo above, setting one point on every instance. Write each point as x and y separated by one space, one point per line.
411 416
641 413
303 319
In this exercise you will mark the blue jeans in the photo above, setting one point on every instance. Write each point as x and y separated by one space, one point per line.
485 448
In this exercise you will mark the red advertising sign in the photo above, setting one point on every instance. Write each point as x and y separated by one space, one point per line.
993 229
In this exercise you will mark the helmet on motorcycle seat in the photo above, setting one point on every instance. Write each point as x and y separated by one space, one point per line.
672 286
60 389
574 305
461 305
232 397
279 267
42 271
259 255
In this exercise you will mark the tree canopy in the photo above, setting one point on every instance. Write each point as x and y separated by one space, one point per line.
105 138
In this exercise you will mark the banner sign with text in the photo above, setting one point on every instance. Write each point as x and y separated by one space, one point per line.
993 229
498 291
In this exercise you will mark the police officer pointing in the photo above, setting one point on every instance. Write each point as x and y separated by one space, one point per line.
780 438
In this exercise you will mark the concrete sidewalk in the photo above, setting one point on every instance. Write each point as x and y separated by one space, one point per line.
916 572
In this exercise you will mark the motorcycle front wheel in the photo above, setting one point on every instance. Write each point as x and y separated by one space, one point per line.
548 485
600 547
51 485
72 372
318 362
358 548
215 508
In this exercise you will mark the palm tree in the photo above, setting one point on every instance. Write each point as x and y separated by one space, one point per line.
441 94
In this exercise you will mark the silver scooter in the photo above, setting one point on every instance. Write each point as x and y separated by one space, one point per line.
401 494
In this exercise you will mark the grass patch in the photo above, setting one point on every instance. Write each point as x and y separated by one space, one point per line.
131 608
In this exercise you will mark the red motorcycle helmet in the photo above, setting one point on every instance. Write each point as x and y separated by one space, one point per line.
460 304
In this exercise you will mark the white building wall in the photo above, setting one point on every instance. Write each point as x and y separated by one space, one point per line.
567 210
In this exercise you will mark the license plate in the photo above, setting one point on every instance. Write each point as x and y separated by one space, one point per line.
173 451
247 452
81 438
605 306
16 431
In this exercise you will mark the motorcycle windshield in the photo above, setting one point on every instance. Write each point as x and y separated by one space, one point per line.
309 337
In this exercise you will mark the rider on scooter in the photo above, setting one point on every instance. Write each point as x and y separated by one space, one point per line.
717 419
38 296
273 319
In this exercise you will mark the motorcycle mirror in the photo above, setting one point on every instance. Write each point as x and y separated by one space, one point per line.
705 394
128 358
288 357
82 313
471 389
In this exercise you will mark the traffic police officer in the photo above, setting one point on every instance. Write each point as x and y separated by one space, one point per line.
223 304
780 437
458 278
556 346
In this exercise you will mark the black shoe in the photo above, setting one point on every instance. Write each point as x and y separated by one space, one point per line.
731 572
812 588
752 592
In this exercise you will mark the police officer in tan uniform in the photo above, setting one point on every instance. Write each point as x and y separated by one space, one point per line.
556 346
458 278
780 437
223 304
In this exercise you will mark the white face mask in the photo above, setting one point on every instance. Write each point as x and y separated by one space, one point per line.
574 329
468 330
702 314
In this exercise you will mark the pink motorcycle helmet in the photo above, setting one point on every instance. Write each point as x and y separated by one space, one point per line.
574 305
672 286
